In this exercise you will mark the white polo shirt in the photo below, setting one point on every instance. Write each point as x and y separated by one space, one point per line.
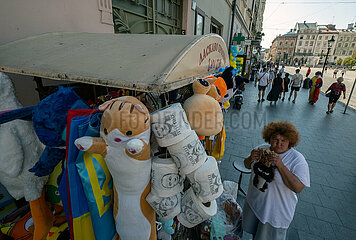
277 204
263 79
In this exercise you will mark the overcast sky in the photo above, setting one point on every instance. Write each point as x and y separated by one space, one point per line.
280 16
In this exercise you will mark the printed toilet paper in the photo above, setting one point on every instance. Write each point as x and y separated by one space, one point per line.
166 207
194 211
206 181
165 180
189 154
170 125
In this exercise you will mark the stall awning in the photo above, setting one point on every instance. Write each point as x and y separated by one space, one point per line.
150 63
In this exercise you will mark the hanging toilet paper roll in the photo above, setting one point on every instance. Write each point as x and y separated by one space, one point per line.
194 211
165 180
166 207
188 154
206 181
170 125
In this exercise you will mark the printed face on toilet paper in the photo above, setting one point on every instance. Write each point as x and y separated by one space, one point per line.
170 125
166 207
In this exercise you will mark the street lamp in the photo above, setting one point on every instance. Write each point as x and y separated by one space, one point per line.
330 44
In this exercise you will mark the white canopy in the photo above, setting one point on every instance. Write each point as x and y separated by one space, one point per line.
150 63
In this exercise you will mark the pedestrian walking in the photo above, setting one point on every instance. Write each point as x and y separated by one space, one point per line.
269 210
277 88
335 93
315 84
335 73
326 69
262 80
281 71
343 71
295 85
286 83
308 72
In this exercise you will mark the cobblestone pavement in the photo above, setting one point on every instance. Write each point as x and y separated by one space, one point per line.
326 210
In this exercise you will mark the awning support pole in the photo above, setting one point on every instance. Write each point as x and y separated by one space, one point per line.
40 88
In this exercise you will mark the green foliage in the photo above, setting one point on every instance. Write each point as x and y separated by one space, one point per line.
339 61
349 61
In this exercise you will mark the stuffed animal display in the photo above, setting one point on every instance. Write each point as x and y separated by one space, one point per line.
264 171
203 112
125 146
21 149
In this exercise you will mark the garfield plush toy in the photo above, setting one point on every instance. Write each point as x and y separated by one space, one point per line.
124 143
203 111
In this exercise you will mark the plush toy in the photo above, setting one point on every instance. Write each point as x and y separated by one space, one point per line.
20 149
125 146
264 171
166 231
220 84
228 76
203 112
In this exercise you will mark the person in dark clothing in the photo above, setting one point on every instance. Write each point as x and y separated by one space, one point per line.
277 88
286 82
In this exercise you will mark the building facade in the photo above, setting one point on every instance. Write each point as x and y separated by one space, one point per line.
306 38
282 48
325 34
345 45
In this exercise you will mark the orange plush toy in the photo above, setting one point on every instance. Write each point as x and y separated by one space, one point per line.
125 146
219 82
204 112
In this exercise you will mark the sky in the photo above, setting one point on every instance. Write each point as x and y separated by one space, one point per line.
281 15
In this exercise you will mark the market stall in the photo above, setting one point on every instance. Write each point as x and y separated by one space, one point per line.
113 176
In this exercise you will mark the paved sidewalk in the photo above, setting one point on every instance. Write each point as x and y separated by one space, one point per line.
326 210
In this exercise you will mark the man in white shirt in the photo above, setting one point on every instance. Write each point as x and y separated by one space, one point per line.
263 80
296 83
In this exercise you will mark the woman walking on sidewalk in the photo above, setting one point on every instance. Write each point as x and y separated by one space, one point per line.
286 83
336 89
277 88
268 211
315 84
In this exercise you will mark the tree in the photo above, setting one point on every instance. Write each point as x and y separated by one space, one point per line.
349 61
339 61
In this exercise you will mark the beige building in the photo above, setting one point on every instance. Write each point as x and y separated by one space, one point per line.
325 34
345 45
33 17
306 38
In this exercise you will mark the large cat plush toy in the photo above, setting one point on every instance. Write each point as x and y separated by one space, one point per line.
124 143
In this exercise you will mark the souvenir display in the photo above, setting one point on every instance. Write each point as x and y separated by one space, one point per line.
125 146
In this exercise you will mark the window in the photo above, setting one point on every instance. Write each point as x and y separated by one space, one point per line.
347 39
326 37
215 27
339 44
343 52
346 45
300 44
306 43
313 37
318 44
291 43
324 44
308 36
311 43
199 22
350 53
354 39
301 50
301 37
309 51
352 45
280 43
341 38
286 42
319 37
